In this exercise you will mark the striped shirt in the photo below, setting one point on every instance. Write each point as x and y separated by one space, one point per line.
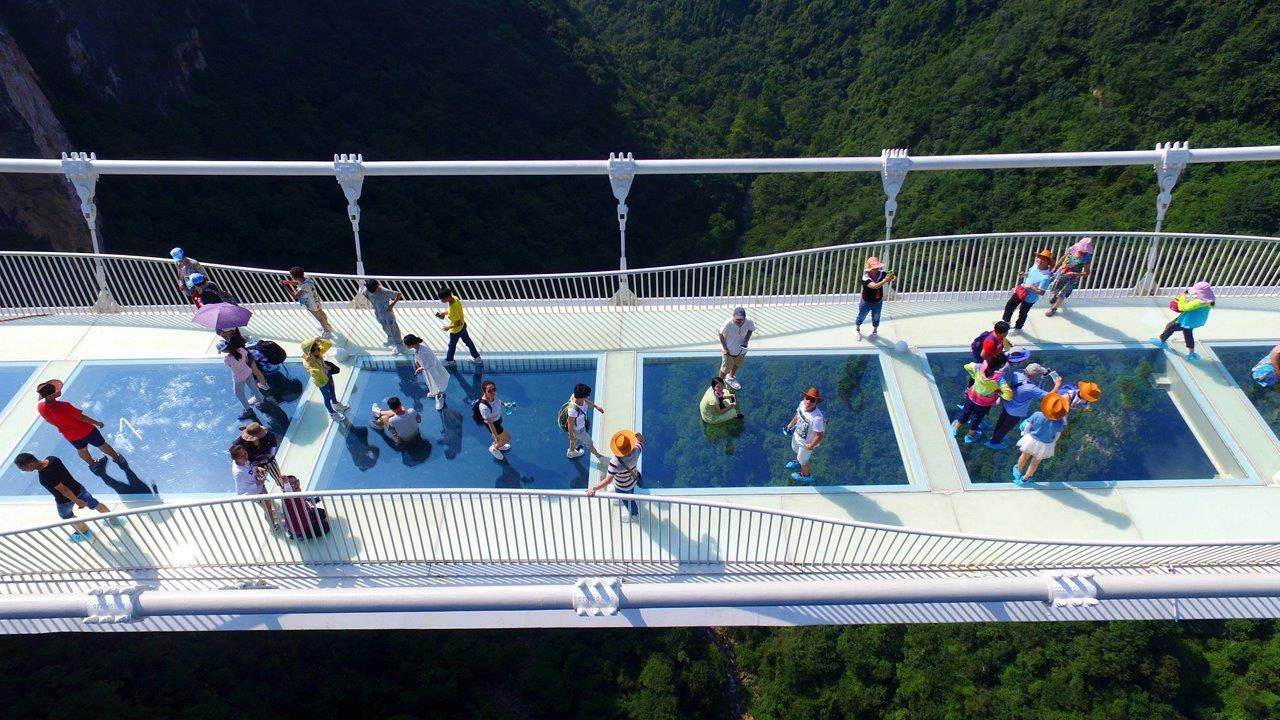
624 475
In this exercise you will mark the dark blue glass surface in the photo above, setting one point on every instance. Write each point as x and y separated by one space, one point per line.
12 377
1135 432
860 447
1239 361
173 421
453 452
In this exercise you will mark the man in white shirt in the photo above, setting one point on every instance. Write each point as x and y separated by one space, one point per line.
734 337
807 428
399 423
248 479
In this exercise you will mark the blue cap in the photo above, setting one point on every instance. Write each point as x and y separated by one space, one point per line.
194 280
177 254
1020 355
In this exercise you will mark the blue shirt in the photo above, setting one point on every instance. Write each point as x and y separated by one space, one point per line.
1025 392
1037 278
1044 429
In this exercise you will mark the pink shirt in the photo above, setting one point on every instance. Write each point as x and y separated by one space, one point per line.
240 369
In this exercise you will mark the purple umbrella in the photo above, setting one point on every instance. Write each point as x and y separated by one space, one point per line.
222 316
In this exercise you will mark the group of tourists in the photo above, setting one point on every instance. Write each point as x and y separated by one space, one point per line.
1032 398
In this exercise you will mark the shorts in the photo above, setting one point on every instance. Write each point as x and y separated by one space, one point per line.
310 302
66 508
802 452
94 438
585 441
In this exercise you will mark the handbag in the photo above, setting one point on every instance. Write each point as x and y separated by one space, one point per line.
1020 292
333 369
1173 304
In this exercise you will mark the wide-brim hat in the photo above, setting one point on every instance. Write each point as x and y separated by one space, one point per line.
253 431
623 442
873 263
1019 355
1203 290
814 393
1090 391
1084 246
55 383
1047 254
1054 406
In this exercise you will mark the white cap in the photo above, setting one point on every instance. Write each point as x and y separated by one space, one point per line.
1035 370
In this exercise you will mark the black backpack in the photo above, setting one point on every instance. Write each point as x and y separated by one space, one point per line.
272 351
475 410
975 347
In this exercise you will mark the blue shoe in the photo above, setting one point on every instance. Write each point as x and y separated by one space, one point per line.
1017 477
1193 356
806 479
793 465
971 439
994 446
116 521
1159 343
80 537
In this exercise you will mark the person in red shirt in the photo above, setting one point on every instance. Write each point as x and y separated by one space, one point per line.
79 429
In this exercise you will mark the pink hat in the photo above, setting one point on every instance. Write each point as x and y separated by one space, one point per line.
1203 291
1084 246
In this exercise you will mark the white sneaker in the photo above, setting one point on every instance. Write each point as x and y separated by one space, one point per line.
376 411
617 503
571 454
342 407
337 417
627 516
440 402
253 401
505 447
495 452
732 382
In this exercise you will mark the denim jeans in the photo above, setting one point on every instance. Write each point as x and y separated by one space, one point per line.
631 505
453 344
326 392
865 307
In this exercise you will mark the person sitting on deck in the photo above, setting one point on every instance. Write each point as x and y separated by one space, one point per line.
718 406
401 424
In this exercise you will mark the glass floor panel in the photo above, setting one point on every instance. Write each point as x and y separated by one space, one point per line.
453 452
1139 430
12 377
172 420
1238 360
681 451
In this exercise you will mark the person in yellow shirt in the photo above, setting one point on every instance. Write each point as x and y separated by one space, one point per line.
313 351
456 326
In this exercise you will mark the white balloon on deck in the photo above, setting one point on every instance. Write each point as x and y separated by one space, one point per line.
341 354
902 346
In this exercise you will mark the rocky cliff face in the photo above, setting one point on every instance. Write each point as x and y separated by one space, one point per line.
61 61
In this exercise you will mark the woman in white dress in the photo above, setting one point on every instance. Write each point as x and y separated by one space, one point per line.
432 370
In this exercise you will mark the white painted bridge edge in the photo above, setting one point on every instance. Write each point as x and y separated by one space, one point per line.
931 269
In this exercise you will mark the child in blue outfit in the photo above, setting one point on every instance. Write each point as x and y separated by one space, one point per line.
1040 435
1193 308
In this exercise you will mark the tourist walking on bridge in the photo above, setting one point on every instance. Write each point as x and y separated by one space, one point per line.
807 428
78 428
67 492
456 327
428 365
734 336
304 291
384 310
1193 308
487 411
1032 283
573 419
1040 436
988 386
1076 264
625 445
322 372
873 281
242 376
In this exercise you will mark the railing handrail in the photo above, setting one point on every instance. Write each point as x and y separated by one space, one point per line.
392 168
643 498
871 244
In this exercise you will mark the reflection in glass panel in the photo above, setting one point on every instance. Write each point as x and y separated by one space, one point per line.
1239 361
682 451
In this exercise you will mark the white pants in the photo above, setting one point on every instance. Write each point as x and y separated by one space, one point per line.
253 388
801 448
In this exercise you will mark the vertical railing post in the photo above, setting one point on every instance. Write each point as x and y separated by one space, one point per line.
78 168
1173 159
894 165
622 170
349 171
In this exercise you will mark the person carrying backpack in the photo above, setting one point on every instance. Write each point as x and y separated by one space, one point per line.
990 343
988 386
572 418
1193 308
487 410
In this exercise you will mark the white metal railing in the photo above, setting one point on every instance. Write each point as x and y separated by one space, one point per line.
937 268
523 527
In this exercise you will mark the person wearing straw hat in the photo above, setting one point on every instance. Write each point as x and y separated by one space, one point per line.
1075 264
1026 394
807 428
624 444
874 279
262 445
1032 283
1040 435
1193 308
1084 395
734 336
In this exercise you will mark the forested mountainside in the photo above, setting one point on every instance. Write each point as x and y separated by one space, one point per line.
662 78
